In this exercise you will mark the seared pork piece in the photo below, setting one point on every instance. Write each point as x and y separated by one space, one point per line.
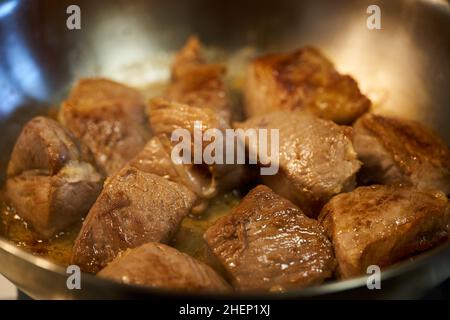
50 182
160 266
205 179
109 118
166 116
379 225
52 203
267 243
197 93
198 83
303 79
155 158
46 146
401 151
316 158
134 208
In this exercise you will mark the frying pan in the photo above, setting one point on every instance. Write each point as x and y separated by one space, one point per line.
403 67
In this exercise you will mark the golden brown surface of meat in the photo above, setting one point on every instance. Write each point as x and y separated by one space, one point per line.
109 118
267 243
379 225
303 79
402 151
198 83
160 266
197 93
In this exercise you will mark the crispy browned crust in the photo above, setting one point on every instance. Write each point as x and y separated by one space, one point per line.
410 143
303 79
190 55
198 83
380 225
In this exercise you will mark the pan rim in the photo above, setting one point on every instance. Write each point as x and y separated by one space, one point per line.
334 286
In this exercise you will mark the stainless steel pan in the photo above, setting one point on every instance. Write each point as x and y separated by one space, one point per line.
404 68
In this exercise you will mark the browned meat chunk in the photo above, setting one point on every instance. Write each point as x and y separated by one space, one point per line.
109 118
166 116
379 225
160 266
52 203
401 151
204 179
197 93
50 182
155 158
134 208
302 79
267 243
46 146
197 83
316 158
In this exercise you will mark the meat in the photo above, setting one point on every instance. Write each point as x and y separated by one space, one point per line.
134 208
50 180
160 266
155 158
379 225
198 83
316 158
401 151
52 203
205 179
109 118
46 146
197 93
303 79
267 243
166 116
